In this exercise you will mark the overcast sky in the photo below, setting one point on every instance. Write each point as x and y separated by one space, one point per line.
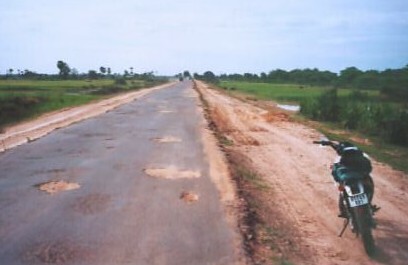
223 36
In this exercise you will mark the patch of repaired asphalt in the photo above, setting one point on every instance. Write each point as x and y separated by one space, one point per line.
171 173
189 197
167 139
92 203
52 187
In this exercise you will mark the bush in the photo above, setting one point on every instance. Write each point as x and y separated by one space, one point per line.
388 121
18 107
309 108
395 128
329 106
325 107
120 81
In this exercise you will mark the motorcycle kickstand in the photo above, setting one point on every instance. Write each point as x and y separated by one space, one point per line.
346 222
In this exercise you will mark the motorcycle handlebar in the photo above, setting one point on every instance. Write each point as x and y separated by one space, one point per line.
323 142
326 142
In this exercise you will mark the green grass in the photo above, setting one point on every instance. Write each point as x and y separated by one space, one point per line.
282 92
24 99
253 178
32 85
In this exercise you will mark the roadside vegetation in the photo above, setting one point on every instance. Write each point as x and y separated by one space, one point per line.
26 94
351 106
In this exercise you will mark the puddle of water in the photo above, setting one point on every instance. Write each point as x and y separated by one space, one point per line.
166 111
171 173
167 139
57 186
189 197
289 107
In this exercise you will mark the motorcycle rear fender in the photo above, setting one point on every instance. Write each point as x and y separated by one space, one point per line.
354 189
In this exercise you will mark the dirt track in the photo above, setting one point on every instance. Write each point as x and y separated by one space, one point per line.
302 196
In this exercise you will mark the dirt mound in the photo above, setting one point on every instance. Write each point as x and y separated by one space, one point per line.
275 116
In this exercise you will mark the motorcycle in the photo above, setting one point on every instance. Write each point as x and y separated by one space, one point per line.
355 198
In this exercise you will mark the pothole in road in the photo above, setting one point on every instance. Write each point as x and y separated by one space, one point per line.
52 187
189 197
167 139
171 173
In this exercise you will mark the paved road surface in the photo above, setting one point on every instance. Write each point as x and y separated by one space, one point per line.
120 214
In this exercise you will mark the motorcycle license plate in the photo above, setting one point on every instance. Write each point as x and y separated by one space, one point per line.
358 200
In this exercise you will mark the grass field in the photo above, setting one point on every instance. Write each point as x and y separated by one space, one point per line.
23 99
393 155
21 85
282 92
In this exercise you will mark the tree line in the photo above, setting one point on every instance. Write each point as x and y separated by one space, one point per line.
391 82
67 72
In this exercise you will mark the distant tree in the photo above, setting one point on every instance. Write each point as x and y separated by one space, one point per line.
187 74
278 75
395 83
210 77
102 70
109 71
92 74
29 74
263 77
368 80
348 76
64 69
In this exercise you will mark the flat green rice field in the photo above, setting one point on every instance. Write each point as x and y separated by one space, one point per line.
282 92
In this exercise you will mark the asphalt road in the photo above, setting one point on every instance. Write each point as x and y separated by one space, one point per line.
119 214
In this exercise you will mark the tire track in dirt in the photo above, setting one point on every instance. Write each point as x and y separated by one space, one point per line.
302 195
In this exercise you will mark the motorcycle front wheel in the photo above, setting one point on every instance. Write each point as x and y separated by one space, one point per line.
364 222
